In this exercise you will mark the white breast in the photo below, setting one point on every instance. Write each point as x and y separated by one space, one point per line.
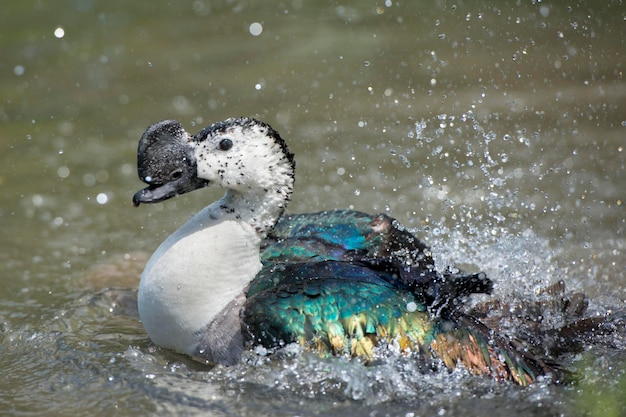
193 275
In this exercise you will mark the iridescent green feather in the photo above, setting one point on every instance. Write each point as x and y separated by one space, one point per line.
336 312
341 282
342 235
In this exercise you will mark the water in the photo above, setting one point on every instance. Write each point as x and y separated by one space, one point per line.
495 131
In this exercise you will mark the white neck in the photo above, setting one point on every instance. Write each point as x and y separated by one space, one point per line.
203 266
261 211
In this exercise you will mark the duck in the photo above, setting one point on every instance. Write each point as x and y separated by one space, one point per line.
241 273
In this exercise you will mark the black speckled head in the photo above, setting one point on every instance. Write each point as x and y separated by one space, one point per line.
165 161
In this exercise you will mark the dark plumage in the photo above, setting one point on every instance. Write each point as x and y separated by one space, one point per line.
342 282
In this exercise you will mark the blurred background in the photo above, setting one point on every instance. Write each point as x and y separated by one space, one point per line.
496 131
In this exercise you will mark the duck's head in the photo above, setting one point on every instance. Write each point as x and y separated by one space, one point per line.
239 154
166 162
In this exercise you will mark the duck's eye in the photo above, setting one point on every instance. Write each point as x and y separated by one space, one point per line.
226 144
176 174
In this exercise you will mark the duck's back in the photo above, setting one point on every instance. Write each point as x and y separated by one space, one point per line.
377 242
343 235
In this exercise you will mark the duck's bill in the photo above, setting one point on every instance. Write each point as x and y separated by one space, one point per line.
154 194
158 193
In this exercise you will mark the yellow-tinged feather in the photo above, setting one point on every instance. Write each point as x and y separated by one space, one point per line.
337 342
382 331
362 347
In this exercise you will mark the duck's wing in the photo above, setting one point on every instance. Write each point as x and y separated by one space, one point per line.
353 313
376 241
325 312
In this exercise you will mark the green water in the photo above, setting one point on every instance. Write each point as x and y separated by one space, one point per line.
495 130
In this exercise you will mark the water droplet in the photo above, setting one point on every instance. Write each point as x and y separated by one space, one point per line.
37 200
89 180
102 198
256 29
63 172
59 33
181 104
18 70
419 128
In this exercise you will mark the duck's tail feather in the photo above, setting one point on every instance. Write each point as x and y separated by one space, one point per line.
466 341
